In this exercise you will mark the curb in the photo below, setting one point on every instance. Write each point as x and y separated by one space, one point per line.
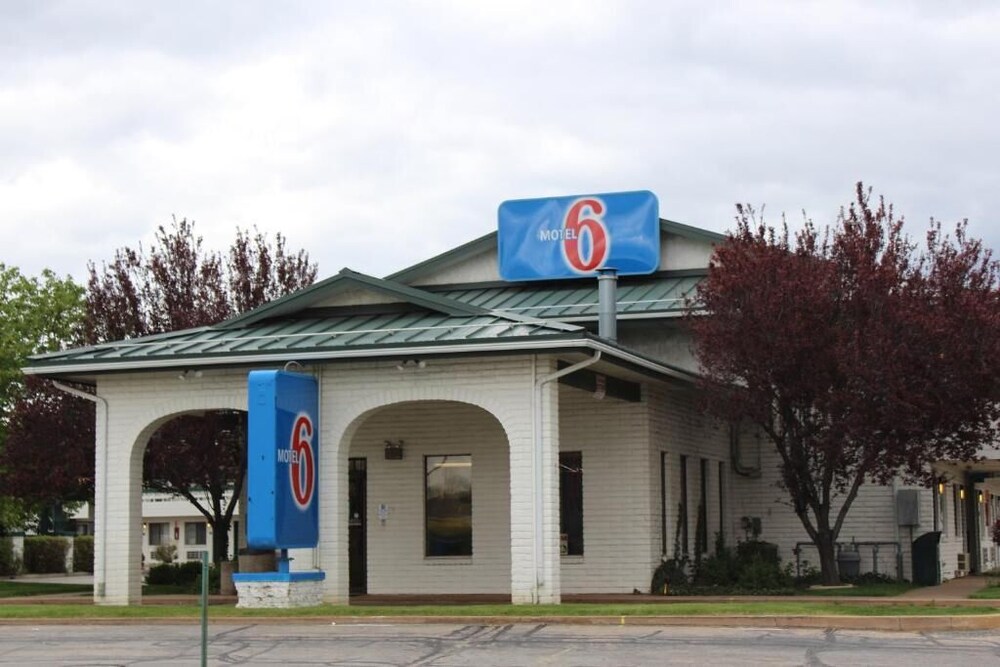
871 623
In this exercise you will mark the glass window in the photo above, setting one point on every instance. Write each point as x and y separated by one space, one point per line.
942 506
701 525
571 503
722 502
195 533
159 533
957 506
663 503
448 505
682 512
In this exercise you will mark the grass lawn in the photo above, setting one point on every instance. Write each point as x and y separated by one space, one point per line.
991 592
16 589
790 608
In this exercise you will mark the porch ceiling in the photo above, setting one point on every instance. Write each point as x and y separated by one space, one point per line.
956 469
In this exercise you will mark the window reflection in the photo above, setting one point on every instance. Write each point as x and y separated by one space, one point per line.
448 505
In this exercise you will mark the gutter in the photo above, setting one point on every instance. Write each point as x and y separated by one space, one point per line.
586 343
100 583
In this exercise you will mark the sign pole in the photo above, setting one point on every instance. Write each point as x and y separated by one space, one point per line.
204 608
607 304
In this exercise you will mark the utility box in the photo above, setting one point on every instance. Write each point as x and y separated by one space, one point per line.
908 507
849 561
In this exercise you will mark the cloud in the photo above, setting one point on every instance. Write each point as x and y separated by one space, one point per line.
376 136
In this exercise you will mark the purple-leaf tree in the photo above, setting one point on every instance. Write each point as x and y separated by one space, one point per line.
859 354
178 284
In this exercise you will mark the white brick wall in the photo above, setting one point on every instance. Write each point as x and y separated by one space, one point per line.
139 404
871 518
677 428
353 394
612 437
483 407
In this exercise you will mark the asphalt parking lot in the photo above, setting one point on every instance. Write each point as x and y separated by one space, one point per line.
428 645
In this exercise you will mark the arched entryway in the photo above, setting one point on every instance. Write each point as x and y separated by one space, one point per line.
430 481
194 466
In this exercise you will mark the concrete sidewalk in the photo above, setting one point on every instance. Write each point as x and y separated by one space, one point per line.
959 588
74 578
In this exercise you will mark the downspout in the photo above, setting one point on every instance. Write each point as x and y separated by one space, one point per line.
536 415
100 585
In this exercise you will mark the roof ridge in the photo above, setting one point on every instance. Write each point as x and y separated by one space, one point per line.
301 299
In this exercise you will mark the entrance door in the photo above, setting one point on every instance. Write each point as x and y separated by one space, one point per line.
357 504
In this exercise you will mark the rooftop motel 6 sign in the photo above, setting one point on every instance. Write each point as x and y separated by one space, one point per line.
283 460
575 237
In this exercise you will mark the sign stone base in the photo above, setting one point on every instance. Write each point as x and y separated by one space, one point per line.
279 590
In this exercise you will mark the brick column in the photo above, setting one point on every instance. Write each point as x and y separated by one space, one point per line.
123 546
333 497
531 584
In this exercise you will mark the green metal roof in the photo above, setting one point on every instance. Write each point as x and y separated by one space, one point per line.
660 295
348 279
318 336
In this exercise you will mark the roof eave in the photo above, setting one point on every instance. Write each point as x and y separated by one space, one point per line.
563 341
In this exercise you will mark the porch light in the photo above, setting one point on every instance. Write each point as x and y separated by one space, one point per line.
961 493
940 488
979 497
393 450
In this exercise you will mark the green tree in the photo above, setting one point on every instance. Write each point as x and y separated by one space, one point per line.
38 314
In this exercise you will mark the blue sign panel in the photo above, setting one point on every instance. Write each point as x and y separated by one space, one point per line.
283 460
574 237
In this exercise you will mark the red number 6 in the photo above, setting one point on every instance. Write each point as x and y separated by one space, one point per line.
302 471
576 226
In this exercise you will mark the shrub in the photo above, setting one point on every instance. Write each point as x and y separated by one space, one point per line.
869 578
83 554
214 580
10 564
718 570
758 550
753 568
163 574
188 572
165 553
185 576
671 572
43 555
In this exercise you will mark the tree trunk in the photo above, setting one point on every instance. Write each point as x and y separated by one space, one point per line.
827 545
220 540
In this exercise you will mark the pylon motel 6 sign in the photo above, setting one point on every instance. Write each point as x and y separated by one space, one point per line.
283 460
573 237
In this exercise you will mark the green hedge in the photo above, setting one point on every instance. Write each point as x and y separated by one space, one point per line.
43 555
9 563
183 575
83 554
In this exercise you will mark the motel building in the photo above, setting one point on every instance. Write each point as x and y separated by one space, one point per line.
480 435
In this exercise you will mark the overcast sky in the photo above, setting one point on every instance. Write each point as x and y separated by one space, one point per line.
378 134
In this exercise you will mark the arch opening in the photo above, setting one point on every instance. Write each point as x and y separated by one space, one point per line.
193 467
429 500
